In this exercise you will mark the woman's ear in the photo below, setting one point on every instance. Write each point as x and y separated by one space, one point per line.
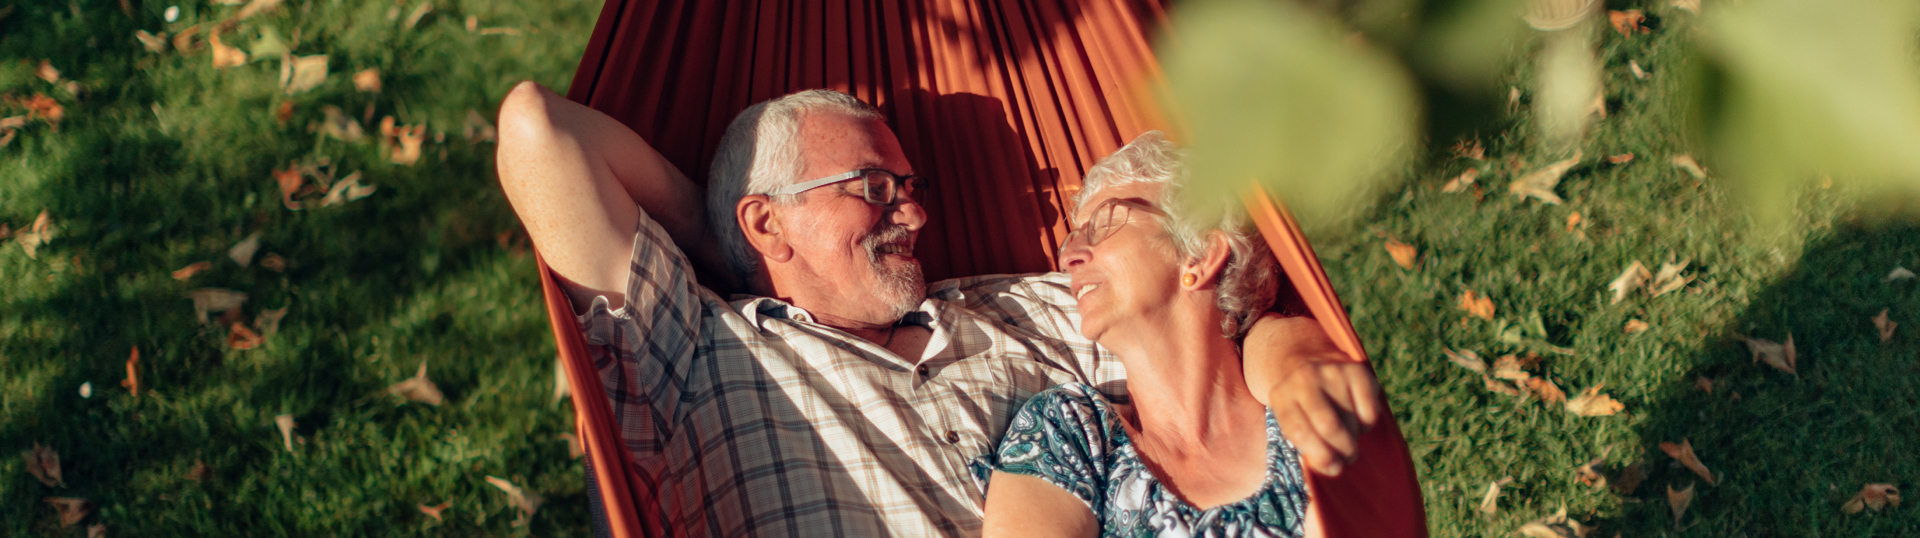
1212 260
763 228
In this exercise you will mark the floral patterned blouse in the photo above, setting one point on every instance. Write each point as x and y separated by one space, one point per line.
1071 436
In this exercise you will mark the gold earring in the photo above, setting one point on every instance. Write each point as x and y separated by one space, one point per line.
1188 279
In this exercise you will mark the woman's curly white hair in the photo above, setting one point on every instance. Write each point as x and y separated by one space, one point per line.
1250 280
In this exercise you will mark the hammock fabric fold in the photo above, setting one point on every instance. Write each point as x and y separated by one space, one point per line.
1003 104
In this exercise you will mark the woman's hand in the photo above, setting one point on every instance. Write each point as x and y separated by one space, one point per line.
1323 398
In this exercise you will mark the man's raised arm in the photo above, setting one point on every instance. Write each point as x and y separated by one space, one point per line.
579 181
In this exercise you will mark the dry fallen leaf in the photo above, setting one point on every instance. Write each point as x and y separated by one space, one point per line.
1467 359
191 269
1669 279
1627 480
98 530
12 122
153 42
302 73
1627 22
1490 504
1499 386
473 22
1634 65
200 471
1591 403
1461 182
1677 502
1635 326
33 236
273 262
1780 356
1477 305
1540 183
291 182
44 464
1555 526
346 190
214 300
1544 389
434 511
526 501
478 129
1684 453
1691 6
1686 162
86 389
1589 473
403 142
1704 383
6 137
45 108
1623 158
285 422
184 42
1898 273
1510 367
225 55
339 125
72 509
1630 279
1874 497
240 337
1885 325
367 80
1402 253
418 388
47 73
255 7
242 252
132 382
418 13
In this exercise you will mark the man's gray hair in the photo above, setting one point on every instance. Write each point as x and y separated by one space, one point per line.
1250 280
759 153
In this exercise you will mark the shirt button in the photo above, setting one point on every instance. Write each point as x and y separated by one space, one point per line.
922 370
953 437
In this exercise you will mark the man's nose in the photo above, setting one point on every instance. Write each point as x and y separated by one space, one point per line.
909 213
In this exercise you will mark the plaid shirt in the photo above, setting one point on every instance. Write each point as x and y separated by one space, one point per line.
751 419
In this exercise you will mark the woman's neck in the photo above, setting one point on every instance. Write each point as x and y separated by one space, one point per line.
1184 378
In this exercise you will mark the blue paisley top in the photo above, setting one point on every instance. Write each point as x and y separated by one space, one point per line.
1071 436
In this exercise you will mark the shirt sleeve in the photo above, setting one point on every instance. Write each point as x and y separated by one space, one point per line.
645 348
1041 303
1058 436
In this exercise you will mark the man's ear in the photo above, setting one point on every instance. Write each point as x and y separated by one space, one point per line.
762 227
1212 260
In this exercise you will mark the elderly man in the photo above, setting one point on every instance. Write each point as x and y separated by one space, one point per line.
845 396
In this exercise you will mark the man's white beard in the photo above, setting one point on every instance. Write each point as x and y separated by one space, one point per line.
901 288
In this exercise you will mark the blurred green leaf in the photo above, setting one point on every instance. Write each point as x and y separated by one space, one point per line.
1812 88
1275 92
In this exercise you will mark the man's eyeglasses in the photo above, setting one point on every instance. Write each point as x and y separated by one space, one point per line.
1106 219
878 186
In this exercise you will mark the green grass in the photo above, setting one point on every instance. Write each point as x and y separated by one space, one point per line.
163 161
1788 453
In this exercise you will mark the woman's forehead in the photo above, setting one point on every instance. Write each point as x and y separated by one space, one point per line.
1145 190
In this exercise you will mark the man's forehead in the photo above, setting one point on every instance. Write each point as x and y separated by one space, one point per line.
833 142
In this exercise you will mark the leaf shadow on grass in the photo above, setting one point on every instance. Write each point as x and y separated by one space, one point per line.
1788 450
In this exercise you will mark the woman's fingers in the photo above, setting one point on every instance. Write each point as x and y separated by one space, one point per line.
1318 456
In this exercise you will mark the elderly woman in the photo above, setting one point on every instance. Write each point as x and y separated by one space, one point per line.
1191 452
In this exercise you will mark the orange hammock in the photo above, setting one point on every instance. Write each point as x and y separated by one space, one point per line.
1003 103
